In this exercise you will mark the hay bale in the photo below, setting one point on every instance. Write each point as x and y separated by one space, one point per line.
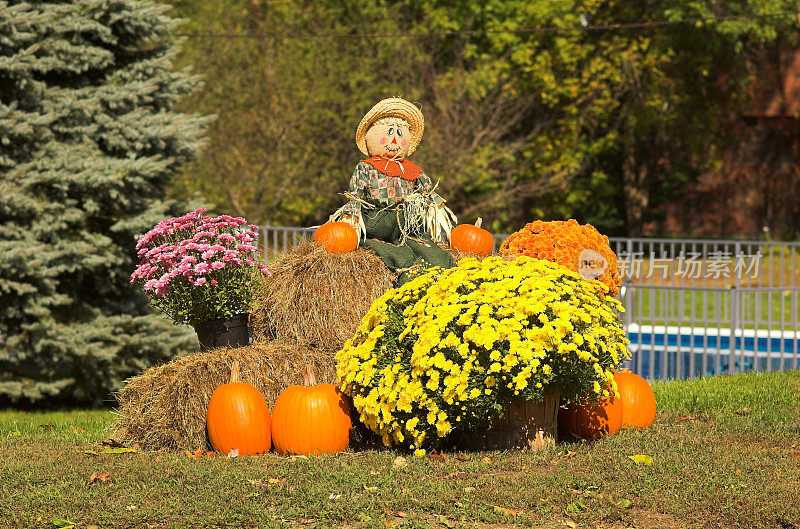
165 407
318 298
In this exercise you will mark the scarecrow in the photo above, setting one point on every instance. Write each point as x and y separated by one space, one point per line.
392 202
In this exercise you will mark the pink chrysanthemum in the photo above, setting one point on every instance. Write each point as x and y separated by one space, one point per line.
197 268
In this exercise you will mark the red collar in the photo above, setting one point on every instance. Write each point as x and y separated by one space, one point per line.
402 168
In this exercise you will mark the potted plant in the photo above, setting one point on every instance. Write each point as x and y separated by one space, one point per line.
479 354
201 271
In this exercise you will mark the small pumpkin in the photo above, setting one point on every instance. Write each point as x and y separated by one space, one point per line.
472 239
238 417
311 419
337 237
593 420
638 400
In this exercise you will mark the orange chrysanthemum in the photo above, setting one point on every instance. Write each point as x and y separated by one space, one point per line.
569 244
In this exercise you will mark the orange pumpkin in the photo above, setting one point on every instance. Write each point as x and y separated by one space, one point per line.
594 420
471 239
311 419
238 418
638 400
337 237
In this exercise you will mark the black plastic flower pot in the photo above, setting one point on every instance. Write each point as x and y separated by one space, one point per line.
222 332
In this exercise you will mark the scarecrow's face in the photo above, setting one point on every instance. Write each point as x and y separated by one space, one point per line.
389 138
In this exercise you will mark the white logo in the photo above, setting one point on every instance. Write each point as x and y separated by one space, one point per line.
591 264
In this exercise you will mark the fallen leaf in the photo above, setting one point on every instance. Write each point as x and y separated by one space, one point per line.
62 523
469 489
130 507
276 481
444 520
462 457
640 459
437 456
744 411
48 427
99 477
118 451
400 462
570 524
624 503
334 497
199 453
508 512
364 517
374 473
486 460
112 443
576 506
233 453
370 489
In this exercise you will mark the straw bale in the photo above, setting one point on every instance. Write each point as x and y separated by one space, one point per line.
165 407
316 298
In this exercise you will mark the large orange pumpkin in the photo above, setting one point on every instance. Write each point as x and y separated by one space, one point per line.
592 421
337 237
638 400
238 418
311 419
471 239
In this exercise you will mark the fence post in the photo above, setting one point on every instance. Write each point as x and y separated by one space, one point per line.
628 284
735 302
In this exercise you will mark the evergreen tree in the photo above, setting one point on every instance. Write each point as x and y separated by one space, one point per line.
88 145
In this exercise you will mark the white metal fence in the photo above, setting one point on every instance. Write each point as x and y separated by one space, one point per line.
694 307
701 307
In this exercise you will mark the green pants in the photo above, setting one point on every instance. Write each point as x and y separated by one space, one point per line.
384 238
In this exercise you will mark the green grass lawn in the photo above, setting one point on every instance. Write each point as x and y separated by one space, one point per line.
726 453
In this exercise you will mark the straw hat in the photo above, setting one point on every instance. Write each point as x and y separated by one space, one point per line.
392 107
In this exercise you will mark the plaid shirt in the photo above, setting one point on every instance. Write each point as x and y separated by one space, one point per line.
381 190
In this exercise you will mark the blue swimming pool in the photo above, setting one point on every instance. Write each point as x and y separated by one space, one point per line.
684 352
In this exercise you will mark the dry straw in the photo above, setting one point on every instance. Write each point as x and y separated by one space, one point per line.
316 298
165 407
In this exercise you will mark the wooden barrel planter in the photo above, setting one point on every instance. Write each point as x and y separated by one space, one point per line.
525 425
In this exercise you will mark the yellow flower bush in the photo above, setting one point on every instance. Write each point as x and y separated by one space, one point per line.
450 348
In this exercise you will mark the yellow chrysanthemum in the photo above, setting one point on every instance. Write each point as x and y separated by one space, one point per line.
449 347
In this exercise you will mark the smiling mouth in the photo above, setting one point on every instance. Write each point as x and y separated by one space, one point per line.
392 149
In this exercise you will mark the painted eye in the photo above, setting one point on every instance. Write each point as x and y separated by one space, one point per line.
391 131
399 132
